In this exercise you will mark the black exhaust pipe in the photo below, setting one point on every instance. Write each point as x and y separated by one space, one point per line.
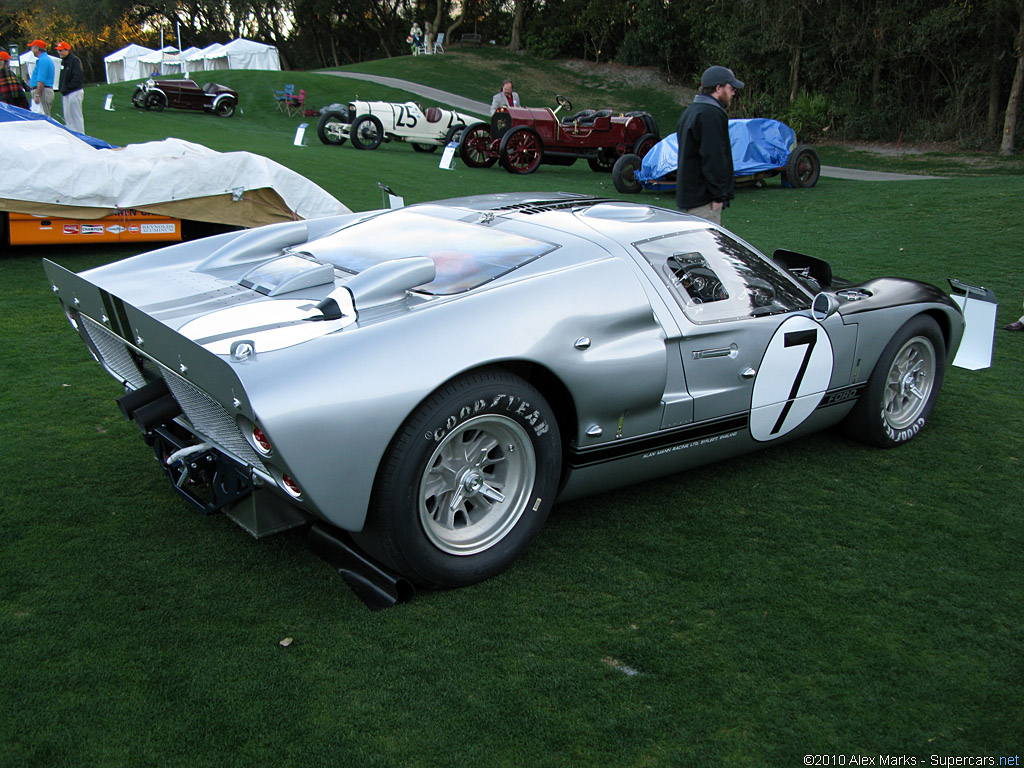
152 415
377 586
131 401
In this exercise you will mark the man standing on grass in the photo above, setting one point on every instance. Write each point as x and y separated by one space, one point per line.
72 80
42 78
704 179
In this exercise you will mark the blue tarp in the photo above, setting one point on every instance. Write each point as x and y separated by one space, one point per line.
9 112
758 144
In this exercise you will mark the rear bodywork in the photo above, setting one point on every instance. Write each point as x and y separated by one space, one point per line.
277 365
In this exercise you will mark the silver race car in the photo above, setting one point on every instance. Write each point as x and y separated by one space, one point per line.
433 379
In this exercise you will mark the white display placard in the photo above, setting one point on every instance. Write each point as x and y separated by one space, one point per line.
300 135
979 308
448 157
108 105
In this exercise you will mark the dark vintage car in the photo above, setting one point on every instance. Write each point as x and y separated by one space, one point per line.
521 138
186 94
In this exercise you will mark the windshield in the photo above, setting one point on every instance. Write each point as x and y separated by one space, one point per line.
465 255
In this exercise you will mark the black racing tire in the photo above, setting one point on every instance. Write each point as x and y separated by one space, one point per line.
645 144
475 146
156 101
901 392
624 174
603 163
521 150
328 128
367 132
454 133
467 482
424 147
225 108
139 99
803 167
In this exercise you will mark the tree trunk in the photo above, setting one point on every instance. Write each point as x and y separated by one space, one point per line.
516 43
991 123
1010 122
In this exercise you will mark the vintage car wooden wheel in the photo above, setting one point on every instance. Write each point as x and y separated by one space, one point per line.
475 146
521 150
367 132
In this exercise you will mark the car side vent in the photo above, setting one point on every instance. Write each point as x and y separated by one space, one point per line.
543 206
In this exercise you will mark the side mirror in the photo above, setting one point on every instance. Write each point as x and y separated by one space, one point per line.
824 305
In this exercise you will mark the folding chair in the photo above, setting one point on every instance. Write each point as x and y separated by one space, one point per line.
295 104
283 97
439 43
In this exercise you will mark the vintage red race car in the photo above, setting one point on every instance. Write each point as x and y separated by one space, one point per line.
522 138
186 94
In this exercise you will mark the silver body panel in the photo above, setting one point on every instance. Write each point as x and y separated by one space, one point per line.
641 389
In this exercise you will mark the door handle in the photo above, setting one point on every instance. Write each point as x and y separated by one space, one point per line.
702 354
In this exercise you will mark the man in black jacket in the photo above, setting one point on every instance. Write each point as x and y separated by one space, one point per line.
71 82
704 180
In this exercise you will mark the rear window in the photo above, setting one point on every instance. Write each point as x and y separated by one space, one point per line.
466 255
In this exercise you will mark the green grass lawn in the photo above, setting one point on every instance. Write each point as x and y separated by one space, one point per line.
818 597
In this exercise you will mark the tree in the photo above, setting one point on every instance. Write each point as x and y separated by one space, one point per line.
1013 103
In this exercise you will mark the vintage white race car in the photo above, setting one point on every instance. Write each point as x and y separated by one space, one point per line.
368 123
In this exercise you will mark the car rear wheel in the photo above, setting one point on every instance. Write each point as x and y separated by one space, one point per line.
803 167
156 101
330 126
424 147
454 134
603 163
467 482
902 389
475 146
225 108
521 150
367 132
624 174
645 144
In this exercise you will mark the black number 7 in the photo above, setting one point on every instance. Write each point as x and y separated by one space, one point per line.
796 339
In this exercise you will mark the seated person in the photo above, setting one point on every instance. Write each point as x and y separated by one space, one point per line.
507 97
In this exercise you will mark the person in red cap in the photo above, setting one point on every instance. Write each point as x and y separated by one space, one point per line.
12 90
43 73
71 82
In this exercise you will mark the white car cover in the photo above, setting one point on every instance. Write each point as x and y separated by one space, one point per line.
48 171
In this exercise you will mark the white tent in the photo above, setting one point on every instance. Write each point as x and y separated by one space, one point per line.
198 60
27 62
124 64
165 61
244 54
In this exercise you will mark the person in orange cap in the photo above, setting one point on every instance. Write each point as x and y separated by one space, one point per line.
71 83
12 90
43 73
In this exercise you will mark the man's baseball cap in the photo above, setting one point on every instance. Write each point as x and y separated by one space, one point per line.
62 46
4 55
719 76
37 44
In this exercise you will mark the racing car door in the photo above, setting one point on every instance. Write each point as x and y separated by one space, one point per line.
747 342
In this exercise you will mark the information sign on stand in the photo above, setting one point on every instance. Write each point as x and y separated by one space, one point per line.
300 135
448 156
391 200
108 105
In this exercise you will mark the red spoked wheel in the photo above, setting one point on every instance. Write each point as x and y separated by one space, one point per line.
475 146
521 150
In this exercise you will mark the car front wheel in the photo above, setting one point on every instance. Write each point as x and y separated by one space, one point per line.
803 167
329 128
902 389
225 108
467 482
624 174
367 132
156 101
521 150
475 146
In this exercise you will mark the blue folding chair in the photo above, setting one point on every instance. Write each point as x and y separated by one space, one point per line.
284 98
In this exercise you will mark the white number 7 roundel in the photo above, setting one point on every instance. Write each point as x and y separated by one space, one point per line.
793 377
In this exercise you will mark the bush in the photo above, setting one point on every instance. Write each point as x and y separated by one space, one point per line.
810 115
